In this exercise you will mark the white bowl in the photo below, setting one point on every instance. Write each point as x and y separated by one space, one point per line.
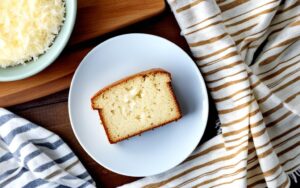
33 67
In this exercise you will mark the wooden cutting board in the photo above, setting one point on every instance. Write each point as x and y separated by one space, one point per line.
94 18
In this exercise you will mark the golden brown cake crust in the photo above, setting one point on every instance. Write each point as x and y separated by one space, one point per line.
144 73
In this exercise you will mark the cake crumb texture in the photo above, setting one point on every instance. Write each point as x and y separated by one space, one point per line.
136 104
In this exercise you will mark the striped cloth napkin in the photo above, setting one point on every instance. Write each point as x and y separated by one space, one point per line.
249 54
31 156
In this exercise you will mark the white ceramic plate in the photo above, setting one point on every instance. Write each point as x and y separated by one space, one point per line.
154 151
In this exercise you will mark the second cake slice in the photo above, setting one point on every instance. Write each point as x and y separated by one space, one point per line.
136 104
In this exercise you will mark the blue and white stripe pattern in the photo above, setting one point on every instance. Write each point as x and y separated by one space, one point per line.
31 156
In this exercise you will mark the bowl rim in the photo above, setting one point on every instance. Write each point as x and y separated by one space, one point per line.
53 57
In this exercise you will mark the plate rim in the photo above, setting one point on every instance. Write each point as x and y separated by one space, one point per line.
205 101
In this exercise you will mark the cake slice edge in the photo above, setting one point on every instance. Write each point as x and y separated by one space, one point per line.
143 73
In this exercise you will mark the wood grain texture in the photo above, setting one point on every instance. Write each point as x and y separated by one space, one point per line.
55 78
97 17
94 18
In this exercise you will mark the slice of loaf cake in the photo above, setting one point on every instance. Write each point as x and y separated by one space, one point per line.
136 104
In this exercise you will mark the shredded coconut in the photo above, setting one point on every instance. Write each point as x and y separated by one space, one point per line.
28 28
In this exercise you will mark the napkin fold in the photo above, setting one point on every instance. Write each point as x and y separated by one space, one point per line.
31 156
249 54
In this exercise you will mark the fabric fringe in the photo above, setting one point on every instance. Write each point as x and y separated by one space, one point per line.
294 176
218 127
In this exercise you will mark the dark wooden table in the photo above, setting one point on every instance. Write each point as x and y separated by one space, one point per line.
51 112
